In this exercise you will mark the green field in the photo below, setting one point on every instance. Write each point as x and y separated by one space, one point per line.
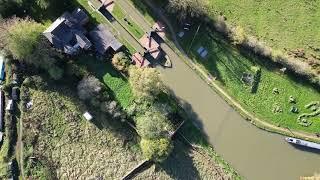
281 24
228 65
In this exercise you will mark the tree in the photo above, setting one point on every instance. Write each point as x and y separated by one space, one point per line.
145 82
89 87
20 36
55 72
157 150
188 8
120 61
154 125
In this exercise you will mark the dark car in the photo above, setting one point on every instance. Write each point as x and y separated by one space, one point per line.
15 93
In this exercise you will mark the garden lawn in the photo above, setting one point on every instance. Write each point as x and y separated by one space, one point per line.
287 24
228 65
104 70
130 25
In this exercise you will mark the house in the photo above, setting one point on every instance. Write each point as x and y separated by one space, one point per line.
151 46
139 60
104 40
67 33
2 68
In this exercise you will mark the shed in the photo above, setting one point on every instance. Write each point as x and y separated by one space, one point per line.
87 116
103 39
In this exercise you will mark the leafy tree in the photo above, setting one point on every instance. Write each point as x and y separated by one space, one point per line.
89 87
154 125
157 150
145 82
20 36
55 72
120 61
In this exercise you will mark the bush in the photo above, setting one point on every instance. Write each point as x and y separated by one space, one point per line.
157 150
55 72
154 125
89 87
121 62
256 79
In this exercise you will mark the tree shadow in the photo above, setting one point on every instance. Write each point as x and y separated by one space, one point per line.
180 165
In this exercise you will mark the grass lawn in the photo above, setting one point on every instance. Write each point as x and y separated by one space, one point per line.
130 25
228 65
288 24
144 10
110 77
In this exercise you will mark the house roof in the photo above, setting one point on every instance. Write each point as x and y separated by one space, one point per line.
151 46
96 4
67 31
139 60
103 39
80 16
159 29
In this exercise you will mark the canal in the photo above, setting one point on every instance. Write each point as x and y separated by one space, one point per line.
256 154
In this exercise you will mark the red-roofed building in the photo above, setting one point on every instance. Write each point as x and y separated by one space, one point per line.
151 46
139 60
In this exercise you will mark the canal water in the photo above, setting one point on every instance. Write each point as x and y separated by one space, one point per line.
254 153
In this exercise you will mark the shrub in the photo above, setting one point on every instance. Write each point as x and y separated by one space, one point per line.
238 35
121 62
256 79
89 87
157 150
55 72
221 25
154 125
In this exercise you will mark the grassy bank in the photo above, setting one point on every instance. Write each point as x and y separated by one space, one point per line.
127 21
228 65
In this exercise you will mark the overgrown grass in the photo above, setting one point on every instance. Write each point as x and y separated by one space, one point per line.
228 66
130 24
79 148
282 24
